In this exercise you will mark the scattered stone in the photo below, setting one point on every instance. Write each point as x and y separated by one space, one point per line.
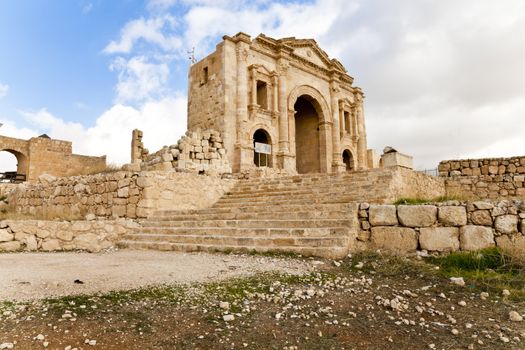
515 317
505 292
224 305
457 280
228 318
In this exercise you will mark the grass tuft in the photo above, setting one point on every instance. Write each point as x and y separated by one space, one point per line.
490 269
417 201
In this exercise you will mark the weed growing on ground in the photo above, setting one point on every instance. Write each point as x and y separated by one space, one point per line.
490 269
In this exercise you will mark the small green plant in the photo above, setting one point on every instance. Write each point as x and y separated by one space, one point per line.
418 201
488 269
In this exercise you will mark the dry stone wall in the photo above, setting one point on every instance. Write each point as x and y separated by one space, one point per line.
443 227
39 235
484 178
115 195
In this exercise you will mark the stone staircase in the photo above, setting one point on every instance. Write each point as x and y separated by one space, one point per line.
308 214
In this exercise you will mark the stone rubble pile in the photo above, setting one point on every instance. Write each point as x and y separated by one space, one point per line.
197 151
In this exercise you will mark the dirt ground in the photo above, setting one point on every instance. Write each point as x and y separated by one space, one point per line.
26 276
362 302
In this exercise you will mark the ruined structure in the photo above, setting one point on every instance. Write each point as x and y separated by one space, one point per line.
279 103
42 155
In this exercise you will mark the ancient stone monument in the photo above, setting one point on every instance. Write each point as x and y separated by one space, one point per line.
279 103
42 155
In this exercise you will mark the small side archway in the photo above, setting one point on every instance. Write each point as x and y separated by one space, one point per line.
348 160
262 143
13 168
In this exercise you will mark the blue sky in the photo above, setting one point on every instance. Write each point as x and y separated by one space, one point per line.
442 78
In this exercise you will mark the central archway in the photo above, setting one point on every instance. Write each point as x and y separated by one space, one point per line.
307 140
15 168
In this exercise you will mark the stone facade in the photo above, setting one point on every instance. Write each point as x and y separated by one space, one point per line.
38 235
41 155
443 227
198 151
117 195
285 94
484 178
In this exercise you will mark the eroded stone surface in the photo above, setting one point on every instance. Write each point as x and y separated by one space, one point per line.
439 238
506 224
383 215
397 239
417 215
452 215
476 237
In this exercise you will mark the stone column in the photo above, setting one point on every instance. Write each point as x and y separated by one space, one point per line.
254 87
361 144
337 163
283 156
275 100
243 148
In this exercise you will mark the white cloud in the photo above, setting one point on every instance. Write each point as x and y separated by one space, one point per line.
3 90
148 30
87 8
163 123
139 79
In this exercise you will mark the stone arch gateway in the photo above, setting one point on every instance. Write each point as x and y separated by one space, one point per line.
252 83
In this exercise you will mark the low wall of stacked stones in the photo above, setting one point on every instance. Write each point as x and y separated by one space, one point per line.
484 178
40 235
443 227
115 195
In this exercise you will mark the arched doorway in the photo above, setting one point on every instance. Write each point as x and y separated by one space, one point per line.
262 143
348 160
307 151
13 166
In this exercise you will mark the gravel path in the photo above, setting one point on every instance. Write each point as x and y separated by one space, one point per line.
27 276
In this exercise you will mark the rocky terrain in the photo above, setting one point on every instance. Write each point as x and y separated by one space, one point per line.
365 301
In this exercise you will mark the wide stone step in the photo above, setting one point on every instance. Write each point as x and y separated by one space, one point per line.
241 241
282 202
198 222
245 231
307 197
334 252
282 208
269 215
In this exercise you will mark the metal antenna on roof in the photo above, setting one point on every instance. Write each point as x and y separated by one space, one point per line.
192 55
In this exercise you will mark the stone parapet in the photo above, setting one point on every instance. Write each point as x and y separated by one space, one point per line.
442 227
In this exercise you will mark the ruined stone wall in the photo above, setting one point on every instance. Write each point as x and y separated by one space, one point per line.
198 151
206 93
484 178
119 194
40 155
40 235
443 227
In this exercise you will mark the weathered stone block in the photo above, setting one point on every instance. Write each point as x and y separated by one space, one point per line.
88 241
483 205
10 246
452 215
481 217
475 237
50 245
397 239
417 215
5 236
383 215
512 244
439 238
506 224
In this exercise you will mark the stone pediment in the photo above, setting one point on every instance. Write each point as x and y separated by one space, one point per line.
308 49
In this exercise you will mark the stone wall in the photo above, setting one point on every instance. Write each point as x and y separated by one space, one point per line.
443 227
118 194
407 183
484 178
42 155
39 235
198 151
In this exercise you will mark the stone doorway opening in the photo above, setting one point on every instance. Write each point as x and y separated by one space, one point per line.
307 153
262 144
13 166
348 160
